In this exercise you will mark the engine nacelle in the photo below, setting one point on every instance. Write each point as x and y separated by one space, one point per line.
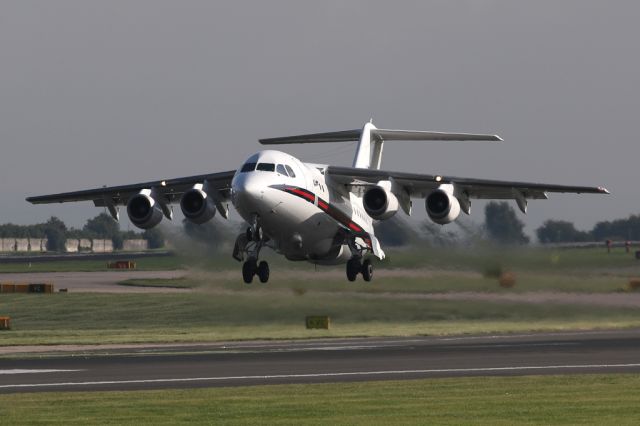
197 206
442 207
143 210
379 203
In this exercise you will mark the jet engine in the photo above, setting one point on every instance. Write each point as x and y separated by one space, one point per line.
197 206
143 210
380 203
442 207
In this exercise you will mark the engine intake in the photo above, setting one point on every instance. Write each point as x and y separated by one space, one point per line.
197 206
379 203
143 210
442 207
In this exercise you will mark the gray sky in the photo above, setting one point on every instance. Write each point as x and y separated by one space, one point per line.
103 93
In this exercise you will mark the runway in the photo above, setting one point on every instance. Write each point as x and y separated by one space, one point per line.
321 361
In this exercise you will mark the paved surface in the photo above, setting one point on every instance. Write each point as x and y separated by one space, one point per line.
253 363
96 282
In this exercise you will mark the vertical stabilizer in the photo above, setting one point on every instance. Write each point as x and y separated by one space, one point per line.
369 152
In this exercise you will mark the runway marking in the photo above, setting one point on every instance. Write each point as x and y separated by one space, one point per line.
325 375
515 345
29 371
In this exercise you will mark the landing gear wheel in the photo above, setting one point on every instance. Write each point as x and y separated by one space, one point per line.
353 268
367 270
263 271
249 270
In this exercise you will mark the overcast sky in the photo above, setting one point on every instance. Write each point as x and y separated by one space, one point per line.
113 92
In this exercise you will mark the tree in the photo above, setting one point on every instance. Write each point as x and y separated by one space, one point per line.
395 232
212 233
102 226
105 227
56 233
502 225
558 231
154 237
619 229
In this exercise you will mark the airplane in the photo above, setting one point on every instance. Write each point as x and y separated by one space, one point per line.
318 213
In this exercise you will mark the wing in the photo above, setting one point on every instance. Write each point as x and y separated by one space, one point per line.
420 185
170 190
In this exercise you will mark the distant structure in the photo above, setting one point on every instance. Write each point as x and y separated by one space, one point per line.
135 245
72 245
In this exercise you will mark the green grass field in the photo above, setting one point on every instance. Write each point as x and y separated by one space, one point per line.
571 399
271 313
478 259
223 308
161 263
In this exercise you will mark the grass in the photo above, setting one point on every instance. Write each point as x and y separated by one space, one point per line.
476 259
208 316
533 259
571 399
222 308
159 283
397 281
160 263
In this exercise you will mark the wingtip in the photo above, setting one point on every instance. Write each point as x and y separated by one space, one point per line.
498 138
604 190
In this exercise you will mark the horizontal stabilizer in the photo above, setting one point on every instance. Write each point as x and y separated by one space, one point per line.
343 136
379 134
414 135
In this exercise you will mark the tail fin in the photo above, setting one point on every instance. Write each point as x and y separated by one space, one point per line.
371 141
369 152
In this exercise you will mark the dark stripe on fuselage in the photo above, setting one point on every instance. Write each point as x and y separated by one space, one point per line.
326 207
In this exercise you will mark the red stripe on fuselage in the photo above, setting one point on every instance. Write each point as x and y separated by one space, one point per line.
354 227
304 194
332 211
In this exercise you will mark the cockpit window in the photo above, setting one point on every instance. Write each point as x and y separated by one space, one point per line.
248 167
280 169
290 170
266 167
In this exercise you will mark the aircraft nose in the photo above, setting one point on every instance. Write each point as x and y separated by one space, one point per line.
248 192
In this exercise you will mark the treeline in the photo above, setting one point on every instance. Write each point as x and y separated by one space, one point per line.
558 231
502 225
99 227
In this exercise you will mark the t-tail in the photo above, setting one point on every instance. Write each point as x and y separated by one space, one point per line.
371 141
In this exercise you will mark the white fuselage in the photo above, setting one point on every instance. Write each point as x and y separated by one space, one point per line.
304 215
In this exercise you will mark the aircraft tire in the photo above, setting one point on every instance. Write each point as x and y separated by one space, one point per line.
367 270
248 270
263 272
353 267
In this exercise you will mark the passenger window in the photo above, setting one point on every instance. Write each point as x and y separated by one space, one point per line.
290 170
248 167
280 169
266 167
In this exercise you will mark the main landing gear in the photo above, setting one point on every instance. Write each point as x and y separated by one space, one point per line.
354 267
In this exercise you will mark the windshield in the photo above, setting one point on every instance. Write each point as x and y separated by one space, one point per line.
280 169
266 167
290 170
248 167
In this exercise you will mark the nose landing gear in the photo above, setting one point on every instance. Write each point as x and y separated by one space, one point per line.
251 268
248 245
